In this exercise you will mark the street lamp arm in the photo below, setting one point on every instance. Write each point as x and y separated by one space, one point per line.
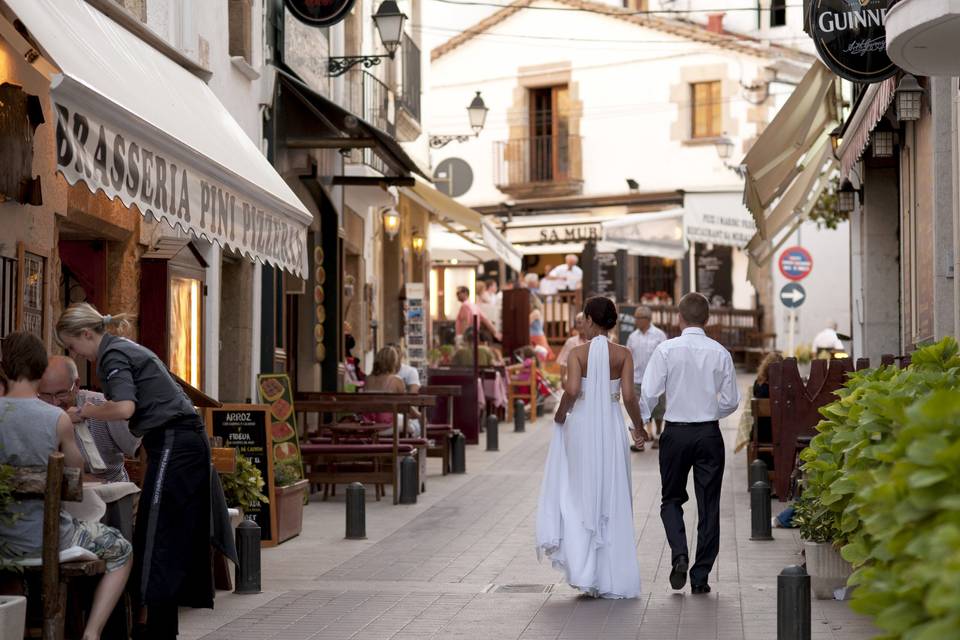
437 142
337 66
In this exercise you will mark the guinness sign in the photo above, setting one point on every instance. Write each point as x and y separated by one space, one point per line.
320 13
851 38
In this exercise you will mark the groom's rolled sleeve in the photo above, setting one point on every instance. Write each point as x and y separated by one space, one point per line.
654 383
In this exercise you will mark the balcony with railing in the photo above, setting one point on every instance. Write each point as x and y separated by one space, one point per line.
408 99
542 166
370 99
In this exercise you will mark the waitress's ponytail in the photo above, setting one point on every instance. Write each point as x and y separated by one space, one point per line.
81 316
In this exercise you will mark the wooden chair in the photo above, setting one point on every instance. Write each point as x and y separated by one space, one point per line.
53 484
522 385
440 432
761 444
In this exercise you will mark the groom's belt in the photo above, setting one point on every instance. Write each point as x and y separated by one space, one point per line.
708 423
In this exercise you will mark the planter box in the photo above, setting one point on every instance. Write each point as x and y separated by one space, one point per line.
289 505
13 614
828 570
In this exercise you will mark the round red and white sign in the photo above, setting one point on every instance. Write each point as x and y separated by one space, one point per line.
796 263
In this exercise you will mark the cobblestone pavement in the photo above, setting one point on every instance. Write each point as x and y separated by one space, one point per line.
461 564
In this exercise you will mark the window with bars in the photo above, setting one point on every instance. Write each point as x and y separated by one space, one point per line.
657 277
706 106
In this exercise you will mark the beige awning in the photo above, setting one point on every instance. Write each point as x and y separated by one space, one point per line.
804 120
446 208
870 109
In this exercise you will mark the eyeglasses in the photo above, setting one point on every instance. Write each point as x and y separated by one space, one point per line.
56 398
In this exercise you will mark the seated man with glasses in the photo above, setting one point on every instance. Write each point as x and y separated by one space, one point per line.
103 444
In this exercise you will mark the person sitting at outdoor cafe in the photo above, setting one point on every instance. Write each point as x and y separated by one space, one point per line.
103 443
466 314
487 356
385 379
353 373
827 341
409 375
31 430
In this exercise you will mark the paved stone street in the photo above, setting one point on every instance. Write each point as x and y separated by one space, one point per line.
461 564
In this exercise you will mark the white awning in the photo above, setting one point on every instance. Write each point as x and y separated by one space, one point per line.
447 246
804 120
139 127
648 234
446 208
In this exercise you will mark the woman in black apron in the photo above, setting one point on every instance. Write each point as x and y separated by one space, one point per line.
171 542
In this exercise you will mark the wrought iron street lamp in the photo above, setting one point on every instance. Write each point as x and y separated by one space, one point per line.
477 114
881 141
724 146
909 96
389 22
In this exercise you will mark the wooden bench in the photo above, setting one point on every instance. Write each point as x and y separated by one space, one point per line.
53 484
377 464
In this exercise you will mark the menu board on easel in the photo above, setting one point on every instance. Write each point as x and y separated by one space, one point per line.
415 330
274 390
247 428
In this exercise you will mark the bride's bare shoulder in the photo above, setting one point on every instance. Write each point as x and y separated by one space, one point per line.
619 349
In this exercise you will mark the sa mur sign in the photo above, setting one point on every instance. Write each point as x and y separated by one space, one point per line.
795 263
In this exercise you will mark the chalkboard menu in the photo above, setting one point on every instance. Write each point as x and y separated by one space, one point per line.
606 282
274 389
626 322
247 428
715 274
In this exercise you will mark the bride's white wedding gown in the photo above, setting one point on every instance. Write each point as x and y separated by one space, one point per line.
585 515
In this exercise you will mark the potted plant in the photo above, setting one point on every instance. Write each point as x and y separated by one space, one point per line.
13 609
243 488
819 530
291 494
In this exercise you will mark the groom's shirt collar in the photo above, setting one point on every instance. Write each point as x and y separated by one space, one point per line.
694 331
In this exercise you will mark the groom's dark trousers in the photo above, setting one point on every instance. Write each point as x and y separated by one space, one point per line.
696 445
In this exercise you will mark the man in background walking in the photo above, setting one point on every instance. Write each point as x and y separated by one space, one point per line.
642 343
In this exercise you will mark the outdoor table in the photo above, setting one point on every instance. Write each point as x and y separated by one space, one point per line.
356 430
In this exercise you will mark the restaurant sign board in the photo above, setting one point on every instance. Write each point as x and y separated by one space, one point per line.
247 428
274 389
320 13
851 38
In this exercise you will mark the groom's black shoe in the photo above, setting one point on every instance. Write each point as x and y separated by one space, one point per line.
699 589
678 577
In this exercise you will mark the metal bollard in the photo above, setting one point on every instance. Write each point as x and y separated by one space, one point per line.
793 604
247 572
408 480
458 453
493 434
519 416
760 511
356 512
758 472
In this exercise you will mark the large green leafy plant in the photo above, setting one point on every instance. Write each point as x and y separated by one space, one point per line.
244 487
886 467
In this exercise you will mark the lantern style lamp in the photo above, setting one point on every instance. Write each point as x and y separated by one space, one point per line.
881 141
909 96
389 22
724 146
835 137
391 222
418 243
847 197
477 112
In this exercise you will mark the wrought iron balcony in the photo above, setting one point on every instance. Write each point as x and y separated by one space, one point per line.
370 99
541 165
409 98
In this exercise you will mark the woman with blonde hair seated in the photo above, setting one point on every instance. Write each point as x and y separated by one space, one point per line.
385 379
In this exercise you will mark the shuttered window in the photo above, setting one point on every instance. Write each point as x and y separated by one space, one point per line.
707 109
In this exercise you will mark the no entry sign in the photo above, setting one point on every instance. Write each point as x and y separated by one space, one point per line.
795 263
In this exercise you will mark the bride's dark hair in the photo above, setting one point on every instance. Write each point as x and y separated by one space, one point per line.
602 311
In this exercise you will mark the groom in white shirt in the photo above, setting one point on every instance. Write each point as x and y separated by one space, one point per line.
700 383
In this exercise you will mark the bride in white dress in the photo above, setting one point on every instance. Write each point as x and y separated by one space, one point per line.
585 515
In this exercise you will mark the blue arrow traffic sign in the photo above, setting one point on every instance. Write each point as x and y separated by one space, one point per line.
792 295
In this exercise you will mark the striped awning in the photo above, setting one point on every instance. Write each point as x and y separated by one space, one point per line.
873 105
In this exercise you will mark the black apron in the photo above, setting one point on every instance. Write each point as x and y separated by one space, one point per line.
171 547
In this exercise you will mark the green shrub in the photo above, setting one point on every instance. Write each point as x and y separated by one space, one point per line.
244 487
886 468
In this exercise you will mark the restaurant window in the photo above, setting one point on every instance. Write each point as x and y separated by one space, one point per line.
186 325
636 5
657 277
778 13
241 38
549 143
707 109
